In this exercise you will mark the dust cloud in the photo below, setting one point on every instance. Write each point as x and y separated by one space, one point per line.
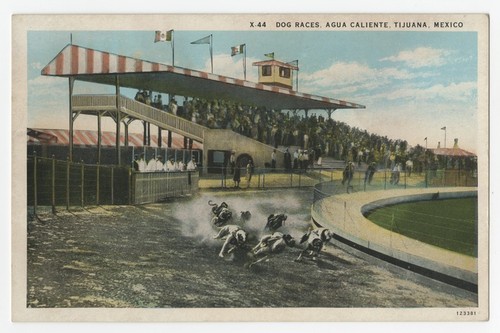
195 215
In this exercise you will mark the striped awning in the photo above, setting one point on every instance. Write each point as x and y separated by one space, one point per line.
91 65
108 139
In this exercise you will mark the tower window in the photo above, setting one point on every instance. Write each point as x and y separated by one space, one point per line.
285 72
267 70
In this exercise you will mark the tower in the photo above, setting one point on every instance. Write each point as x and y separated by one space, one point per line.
275 73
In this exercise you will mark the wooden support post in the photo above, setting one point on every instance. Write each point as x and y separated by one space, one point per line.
118 120
82 181
97 184
71 82
112 185
67 183
53 185
35 187
99 137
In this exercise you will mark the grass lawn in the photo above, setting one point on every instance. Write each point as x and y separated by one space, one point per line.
449 224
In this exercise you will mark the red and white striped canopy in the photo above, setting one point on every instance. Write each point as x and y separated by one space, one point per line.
108 139
102 67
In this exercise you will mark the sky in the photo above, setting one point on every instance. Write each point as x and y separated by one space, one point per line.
412 83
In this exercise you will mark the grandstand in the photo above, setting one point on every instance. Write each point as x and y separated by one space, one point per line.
85 64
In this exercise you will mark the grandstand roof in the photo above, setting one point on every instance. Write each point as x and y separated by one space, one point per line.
453 152
91 65
89 138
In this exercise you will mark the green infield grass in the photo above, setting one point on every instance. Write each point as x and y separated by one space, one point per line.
450 224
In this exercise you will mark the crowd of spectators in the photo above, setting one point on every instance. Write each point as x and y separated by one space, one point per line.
311 136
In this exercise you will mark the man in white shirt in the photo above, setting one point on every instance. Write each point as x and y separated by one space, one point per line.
169 165
159 164
191 166
151 167
142 164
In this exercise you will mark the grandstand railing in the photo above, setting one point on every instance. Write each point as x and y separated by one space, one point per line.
59 183
328 181
141 111
267 178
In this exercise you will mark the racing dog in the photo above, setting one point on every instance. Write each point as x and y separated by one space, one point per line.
245 216
325 235
315 239
270 245
216 209
221 213
274 222
223 217
234 236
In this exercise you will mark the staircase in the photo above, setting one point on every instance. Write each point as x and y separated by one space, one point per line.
92 104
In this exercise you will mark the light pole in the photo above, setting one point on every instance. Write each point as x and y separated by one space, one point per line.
444 128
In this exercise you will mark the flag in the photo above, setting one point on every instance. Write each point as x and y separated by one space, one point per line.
204 40
443 128
237 49
269 55
163 36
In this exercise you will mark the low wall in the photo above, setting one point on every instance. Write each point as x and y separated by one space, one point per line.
365 209
343 214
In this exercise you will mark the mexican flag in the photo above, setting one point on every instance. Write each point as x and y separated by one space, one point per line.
237 49
163 36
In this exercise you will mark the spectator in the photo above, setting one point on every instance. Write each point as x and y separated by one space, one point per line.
273 159
237 175
151 167
409 167
172 107
136 163
370 171
191 166
159 164
181 166
348 173
170 165
287 161
250 171
141 164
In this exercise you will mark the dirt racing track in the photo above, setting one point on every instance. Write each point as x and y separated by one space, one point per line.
164 256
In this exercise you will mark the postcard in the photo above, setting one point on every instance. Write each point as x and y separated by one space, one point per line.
250 168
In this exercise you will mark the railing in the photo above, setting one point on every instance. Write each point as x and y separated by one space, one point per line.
150 187
387 180
141 111
52 182
266 178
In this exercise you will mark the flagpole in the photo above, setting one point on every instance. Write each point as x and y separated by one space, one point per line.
245 61
297 78
445 137
173 53
444 128
211 54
